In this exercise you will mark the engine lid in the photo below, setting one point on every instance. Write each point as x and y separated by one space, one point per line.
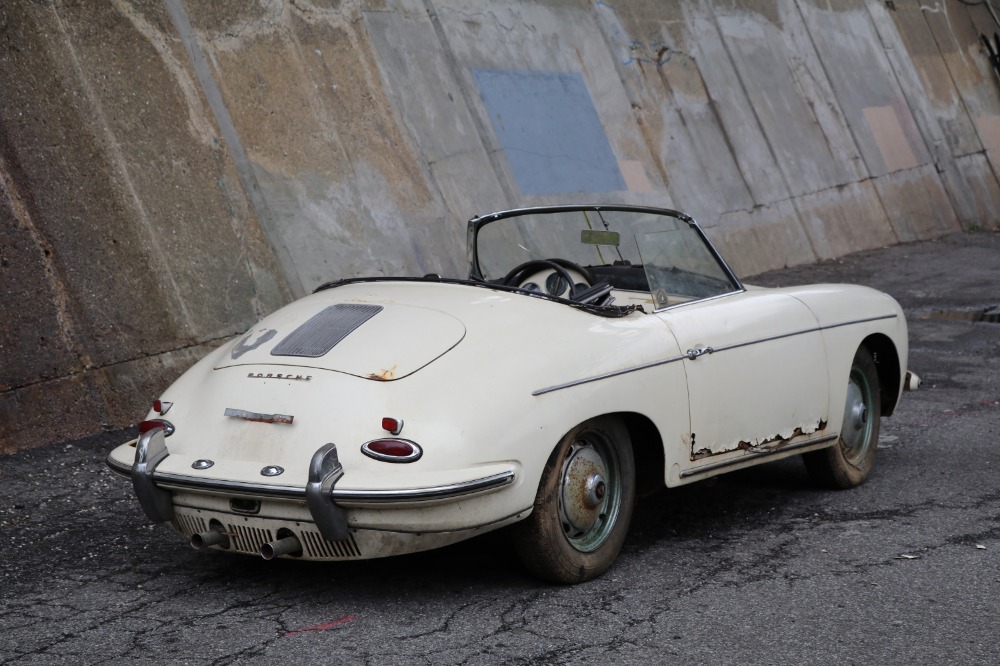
382 342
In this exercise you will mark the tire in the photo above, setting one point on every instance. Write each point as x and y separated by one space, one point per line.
849 462
583 507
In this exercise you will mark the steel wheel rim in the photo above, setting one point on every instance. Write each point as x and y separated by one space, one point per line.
590 492
856 433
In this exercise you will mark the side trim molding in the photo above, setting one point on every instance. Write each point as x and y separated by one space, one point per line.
710 350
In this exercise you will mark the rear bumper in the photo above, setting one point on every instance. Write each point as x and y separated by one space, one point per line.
346 497
329 523
154 487
378 522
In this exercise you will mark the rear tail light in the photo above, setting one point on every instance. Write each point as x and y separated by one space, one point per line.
146 426
161 407
392 450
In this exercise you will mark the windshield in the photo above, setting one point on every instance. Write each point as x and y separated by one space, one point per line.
661 254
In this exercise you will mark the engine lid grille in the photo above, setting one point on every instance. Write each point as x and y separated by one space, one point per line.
323 331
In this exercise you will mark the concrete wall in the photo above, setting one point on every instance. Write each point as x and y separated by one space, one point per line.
171 170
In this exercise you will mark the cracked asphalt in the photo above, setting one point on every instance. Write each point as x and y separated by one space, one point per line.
759 567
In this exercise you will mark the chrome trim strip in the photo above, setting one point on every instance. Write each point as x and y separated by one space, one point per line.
184 482
606 375
697 301
423 494
448 491
714 350
860 321
754 455
815 329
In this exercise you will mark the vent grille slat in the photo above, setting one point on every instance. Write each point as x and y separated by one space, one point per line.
324 330
248 539
316 546
189 525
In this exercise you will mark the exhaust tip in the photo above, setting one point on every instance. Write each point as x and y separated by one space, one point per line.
213 537
287 545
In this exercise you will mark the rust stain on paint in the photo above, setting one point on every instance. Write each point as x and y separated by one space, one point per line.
385 375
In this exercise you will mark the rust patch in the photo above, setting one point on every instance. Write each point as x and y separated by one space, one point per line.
769 443
778 440
383 375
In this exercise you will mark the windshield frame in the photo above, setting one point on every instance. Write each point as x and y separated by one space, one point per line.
477 223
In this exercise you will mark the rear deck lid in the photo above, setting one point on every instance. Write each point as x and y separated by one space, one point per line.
381 342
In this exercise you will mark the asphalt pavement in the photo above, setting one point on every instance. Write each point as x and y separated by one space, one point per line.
760 567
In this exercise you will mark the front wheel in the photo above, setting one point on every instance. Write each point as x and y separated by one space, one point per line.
849 462
583 506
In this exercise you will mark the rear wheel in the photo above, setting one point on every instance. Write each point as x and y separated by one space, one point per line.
583 506
849 462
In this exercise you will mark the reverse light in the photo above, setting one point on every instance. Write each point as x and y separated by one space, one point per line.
392 450
146 426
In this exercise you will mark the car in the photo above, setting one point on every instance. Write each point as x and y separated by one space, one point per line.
594 354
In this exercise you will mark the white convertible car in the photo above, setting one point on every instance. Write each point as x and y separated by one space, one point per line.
594 353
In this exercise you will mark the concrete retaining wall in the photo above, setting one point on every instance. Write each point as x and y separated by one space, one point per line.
171 170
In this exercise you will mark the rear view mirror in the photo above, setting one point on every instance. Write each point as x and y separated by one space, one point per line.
594 237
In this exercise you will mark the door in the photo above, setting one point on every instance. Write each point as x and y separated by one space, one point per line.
756 372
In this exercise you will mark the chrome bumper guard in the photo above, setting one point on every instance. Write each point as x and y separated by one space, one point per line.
150 451
324 471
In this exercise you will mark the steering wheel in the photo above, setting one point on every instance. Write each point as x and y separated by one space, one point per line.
517 274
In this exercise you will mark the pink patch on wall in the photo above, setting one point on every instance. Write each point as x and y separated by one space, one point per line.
635 176
989 134
890 138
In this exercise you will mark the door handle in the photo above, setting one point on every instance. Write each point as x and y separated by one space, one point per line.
700 351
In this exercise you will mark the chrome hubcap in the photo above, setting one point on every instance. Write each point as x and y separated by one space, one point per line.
856 433
590 497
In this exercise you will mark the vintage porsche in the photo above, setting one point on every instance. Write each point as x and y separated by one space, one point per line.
595 353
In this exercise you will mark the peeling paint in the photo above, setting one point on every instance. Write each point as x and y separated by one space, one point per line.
241 347
768 443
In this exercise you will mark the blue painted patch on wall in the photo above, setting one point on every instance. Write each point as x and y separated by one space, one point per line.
550 132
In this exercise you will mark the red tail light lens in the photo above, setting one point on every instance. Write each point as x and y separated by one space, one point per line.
394 426
146 426
392 450
161 407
